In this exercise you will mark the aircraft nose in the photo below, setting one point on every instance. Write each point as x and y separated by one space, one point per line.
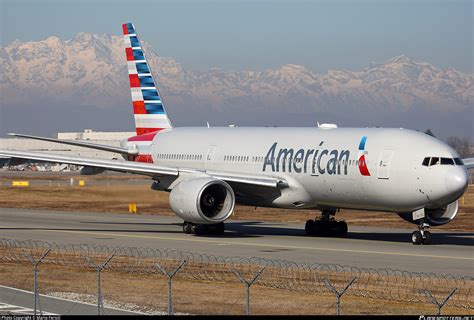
456 181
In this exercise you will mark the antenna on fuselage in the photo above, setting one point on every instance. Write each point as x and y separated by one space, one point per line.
208 125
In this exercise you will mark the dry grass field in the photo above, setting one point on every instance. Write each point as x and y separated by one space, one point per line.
116 196
149 292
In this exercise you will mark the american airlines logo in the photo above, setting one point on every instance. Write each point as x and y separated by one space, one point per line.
317 161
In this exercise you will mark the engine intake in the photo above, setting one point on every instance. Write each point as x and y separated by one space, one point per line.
202 200
436 216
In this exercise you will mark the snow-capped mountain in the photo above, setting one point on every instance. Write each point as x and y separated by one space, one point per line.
90 70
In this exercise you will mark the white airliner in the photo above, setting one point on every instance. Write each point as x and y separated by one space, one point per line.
208 170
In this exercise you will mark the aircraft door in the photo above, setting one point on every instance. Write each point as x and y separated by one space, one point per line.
209 157
383 168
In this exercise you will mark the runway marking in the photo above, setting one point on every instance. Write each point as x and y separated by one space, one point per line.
220 242
69 300
11 308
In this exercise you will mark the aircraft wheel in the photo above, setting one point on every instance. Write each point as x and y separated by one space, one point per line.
218 229
187 227
416 237
341 228
201 229
427 238
309 227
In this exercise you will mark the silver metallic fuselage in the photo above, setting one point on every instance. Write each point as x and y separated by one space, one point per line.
396 181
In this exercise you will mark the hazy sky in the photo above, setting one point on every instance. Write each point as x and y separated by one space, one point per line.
238 35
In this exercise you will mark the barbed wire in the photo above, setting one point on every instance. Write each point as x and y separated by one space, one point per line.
385 284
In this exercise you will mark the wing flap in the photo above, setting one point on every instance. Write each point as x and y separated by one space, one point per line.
259 180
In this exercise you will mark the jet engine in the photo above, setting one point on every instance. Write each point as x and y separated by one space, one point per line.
436 216
202 200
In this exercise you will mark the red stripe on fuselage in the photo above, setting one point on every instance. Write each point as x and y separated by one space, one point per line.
124 28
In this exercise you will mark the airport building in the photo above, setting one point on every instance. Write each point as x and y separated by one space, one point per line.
106 138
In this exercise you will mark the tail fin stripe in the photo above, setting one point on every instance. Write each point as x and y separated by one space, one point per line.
129 53
142 67
154 108
150 95
128 28
124 29
134 81
150 113
139 107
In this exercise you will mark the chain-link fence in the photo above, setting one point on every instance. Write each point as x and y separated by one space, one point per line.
360 283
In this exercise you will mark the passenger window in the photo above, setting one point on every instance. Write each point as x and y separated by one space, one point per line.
434 161
458 161
426 161
447 161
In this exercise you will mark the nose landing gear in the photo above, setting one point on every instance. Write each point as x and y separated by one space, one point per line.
326 225
422 236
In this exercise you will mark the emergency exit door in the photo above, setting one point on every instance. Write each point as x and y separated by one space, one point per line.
210 156
383 168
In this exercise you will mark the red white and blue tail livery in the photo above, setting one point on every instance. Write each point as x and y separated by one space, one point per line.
148 109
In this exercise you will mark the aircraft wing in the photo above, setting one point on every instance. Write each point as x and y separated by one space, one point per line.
468 163
79 144
145 168
113 165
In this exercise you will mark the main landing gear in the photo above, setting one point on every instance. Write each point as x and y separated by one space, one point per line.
326 226
422 236
203 229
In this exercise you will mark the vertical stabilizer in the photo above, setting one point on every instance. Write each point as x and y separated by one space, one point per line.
148 109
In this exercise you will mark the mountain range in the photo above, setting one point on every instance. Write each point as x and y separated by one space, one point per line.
87 73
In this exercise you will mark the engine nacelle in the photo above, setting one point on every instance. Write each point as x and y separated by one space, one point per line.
202 200
436 216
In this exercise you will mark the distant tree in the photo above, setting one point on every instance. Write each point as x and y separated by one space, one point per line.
429 132
461 145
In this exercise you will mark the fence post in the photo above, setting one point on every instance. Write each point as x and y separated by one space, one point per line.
35 264
435 301
338 294
170 276
248 284
99 269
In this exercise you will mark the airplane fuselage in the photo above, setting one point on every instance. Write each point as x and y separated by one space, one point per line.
359 168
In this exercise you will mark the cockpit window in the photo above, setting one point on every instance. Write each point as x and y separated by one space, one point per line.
426 161
431 161
447 161
434 161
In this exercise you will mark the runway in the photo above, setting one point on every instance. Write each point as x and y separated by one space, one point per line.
451 252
